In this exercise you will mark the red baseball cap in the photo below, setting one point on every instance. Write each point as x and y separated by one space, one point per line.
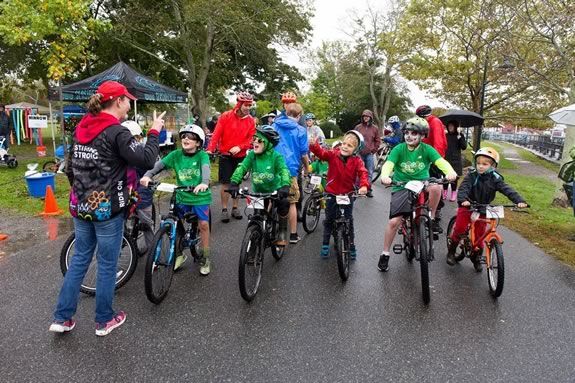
112 89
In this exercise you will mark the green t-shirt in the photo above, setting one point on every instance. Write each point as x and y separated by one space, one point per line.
320 168
411 164
188 171
269 171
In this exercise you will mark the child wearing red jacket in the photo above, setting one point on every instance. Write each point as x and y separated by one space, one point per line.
345 168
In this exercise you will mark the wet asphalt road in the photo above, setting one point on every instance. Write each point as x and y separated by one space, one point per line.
304 325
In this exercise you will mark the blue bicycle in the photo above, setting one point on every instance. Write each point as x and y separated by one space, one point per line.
173 237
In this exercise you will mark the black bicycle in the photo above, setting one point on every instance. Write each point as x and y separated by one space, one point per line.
417 231
261 233
136 230
379 159
313 204
342 233
174 236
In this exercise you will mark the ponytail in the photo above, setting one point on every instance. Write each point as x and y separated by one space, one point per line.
93 105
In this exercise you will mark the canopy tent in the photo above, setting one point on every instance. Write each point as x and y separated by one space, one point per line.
19 113
27 105
144 88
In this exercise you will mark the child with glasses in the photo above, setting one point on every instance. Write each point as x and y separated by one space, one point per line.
410 160
192 167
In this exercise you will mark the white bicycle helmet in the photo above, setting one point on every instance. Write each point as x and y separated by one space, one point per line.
133 127
191 128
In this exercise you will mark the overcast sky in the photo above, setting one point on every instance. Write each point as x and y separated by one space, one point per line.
330 22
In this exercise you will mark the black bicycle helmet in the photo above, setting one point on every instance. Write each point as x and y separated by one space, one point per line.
268 132
423 111
416 124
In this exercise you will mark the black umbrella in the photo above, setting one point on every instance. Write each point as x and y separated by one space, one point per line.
464 118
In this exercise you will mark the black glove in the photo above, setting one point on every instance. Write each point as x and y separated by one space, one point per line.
234 190
283 192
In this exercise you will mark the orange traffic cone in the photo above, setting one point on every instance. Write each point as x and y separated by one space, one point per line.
3 236
50 204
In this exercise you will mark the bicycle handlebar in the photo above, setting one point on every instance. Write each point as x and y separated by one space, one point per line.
427 182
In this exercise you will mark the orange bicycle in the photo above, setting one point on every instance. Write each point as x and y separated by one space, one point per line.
470 242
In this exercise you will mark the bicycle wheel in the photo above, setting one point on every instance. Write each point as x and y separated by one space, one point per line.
460 253
377 170
277 251
251 262
310 214
422 235
50 166
127 262
496 269
342 251
408 243
159 266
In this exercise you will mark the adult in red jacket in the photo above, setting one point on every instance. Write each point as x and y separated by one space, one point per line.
438 139
233 135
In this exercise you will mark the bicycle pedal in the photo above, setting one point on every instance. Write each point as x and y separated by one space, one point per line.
397 249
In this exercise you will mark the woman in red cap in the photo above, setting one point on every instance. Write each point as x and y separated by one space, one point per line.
97 167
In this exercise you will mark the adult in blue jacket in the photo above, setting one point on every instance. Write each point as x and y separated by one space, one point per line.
293 146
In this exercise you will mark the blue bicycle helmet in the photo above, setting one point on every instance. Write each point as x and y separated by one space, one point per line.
309 116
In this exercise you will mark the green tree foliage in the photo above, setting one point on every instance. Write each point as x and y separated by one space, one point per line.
60 29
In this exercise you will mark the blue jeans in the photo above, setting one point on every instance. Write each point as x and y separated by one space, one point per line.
369 165
108 236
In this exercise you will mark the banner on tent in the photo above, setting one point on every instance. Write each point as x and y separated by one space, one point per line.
37 121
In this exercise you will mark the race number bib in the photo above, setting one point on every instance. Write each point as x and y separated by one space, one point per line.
342 200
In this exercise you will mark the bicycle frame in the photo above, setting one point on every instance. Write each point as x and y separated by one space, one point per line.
490 233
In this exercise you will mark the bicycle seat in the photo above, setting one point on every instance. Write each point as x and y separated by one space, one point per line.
189 216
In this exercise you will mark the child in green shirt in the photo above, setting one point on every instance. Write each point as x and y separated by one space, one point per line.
192 167
410 160
268 172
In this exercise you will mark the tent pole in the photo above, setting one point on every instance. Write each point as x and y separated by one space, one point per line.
61 97
52 128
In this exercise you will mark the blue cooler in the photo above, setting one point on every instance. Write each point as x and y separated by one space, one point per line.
37 184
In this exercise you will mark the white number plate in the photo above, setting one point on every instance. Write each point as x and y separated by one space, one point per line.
315 180
342 200
255 203
165 187
414 186
494 212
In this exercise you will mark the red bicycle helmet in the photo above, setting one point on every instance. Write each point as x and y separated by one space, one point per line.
245 97
423 111
289 97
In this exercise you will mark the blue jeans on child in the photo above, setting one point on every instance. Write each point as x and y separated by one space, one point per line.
331 211
107 235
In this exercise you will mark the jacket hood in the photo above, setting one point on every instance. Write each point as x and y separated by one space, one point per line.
284 122
91 126
367 112
267 144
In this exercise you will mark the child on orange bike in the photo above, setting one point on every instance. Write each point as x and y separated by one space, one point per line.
345 167
410 160
479 186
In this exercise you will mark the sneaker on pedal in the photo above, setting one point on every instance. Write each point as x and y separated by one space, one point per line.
294 238
205 266
435 226
476 260
62 327
180 260
236 213
225 216
103 329
324 251
383 264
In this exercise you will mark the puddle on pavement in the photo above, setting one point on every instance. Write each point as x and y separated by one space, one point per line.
25 232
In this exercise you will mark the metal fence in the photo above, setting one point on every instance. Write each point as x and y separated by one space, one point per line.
551 147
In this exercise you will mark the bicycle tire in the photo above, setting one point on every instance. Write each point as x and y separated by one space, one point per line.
127 262
159 266
496 269
408 242
251 262
423 230
277 251
342 252
460 252
377 170
50 166
312 211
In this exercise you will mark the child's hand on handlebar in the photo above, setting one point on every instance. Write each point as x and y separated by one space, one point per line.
465 203
451 176
200 188
386 180
522 205
144 181
362 190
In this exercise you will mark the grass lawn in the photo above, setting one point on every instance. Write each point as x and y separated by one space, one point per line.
545 225
14 197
